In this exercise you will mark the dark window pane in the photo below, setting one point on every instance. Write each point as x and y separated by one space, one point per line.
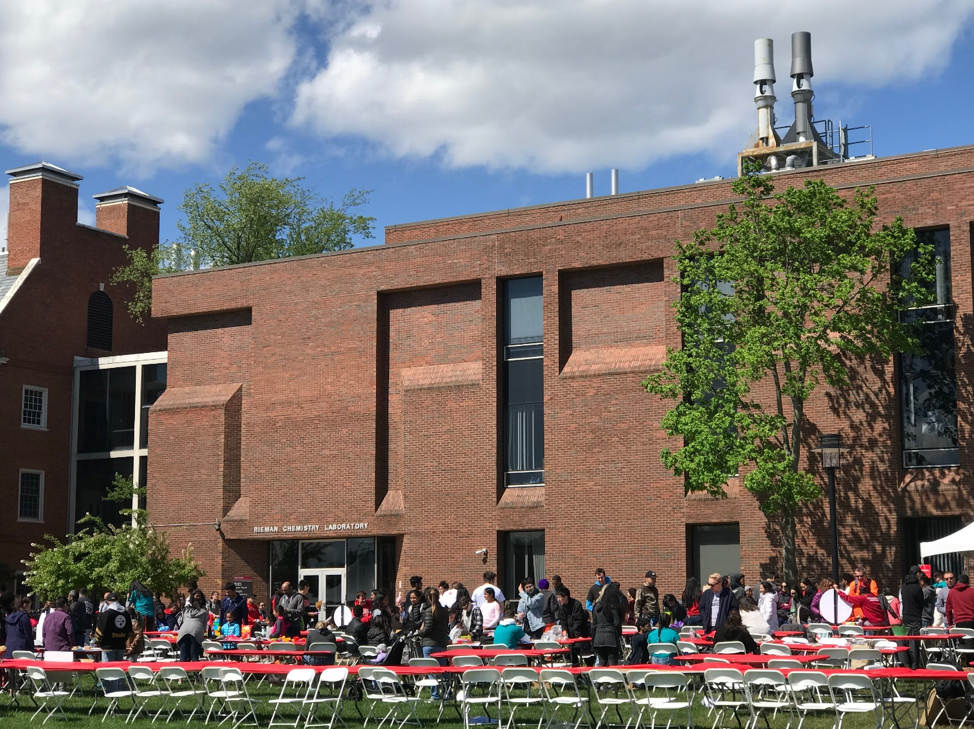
153 385
93 412
523 310
121 407
525 437
930 529
315 555
524 557
525 381
30 496
360 570
94 479
143 479
387 564
940 240
284 562
928 399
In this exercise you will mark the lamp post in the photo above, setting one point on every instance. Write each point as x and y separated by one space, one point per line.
831 450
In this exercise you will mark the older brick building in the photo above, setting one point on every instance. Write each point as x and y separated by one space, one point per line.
473 385
58 312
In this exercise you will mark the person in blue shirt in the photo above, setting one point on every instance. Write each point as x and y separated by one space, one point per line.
531 608
508 631
231 627
235 603
663 633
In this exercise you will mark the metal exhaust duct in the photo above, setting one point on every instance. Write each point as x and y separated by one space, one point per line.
615 182
589 184
801 89
764 97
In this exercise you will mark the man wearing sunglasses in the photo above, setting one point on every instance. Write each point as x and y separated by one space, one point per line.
716 603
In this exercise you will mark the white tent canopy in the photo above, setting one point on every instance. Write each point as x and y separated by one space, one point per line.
960 541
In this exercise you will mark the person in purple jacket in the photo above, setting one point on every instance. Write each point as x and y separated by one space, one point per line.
823 585
58 628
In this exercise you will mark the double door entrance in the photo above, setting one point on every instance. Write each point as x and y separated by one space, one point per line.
327 585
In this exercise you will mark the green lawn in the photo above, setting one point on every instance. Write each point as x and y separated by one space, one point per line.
76 715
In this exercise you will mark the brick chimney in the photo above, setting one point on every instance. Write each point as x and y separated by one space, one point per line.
131 212
43 202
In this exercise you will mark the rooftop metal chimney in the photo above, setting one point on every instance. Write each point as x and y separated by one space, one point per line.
801 89
589 184
764 97
615 182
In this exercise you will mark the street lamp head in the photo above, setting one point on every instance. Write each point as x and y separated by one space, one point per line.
831 450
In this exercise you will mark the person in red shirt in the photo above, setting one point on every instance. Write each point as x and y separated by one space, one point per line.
861 586
870 606
959 608
253 612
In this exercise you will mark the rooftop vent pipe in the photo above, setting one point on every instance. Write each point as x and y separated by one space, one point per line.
615 182
589 184
764 97
801 89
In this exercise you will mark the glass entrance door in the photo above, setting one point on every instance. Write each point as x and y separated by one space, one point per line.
327 585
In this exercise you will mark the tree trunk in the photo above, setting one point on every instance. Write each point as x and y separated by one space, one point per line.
788 556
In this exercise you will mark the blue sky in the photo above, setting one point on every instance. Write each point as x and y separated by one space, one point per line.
449 107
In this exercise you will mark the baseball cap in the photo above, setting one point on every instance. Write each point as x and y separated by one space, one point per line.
652 574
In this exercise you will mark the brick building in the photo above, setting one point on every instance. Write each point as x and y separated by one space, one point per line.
59 318
474 384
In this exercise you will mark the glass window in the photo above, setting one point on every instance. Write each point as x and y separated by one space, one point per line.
34 413
106 416
284 563
928 381
523 318
524 382
31 497
143 480
94 479
153 385
322 555
386 563
360 571
929 529
524 557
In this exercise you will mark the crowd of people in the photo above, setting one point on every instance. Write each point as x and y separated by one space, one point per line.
726 607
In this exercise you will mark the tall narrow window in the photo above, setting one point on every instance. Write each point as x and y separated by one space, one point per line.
30 506
524 382
34 413
523 558
928 382
100 321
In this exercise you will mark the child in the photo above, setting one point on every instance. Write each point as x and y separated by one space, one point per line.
281 624
231 627
508 631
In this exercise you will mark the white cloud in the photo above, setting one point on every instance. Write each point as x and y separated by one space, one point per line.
567 86
135 84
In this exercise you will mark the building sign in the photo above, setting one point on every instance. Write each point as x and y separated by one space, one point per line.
244 585
310 528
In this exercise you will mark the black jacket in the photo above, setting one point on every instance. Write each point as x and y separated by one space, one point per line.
551 608
358 630
377 636
113 630
435 630
79 616
724 633
735 585
573 619
911 601
728 602
606 626
318 635
640 652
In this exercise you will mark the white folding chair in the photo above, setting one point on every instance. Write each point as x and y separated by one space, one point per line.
401 704
687 648
851 630
729 646
236 698
553 660
179 687
932 648
810 694
767 690
115 687
510 659
872 656
960 649
612 692
367 653
45 693
662 648
522 690
780 663
146 687
496 647
561 692
371 692
666 691
726 694
854 694
431 682
329 695
775 649
215 692
479 688
466 661
297 687
162 649
833 657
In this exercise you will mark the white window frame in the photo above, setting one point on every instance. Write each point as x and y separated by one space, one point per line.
23 394
40 501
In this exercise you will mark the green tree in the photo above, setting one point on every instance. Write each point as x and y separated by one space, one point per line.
252 216
777 298
106 557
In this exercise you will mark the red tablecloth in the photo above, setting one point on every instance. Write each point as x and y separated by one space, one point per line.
745 658
247 652
493 653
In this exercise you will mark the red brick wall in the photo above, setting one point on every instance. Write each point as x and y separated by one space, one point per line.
363 363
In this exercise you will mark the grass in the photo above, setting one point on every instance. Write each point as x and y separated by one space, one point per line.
76 710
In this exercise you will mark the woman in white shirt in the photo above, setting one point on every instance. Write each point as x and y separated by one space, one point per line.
491 609
768 605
